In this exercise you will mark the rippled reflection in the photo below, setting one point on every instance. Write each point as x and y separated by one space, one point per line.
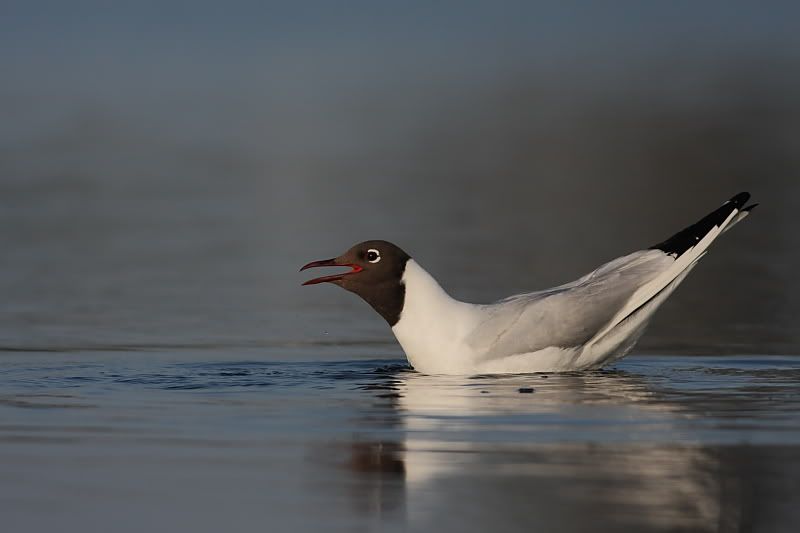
659 443
598 452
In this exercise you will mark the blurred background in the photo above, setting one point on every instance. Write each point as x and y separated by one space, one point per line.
166 167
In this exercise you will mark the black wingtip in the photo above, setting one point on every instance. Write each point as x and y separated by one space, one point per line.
750 207
688 237
740 199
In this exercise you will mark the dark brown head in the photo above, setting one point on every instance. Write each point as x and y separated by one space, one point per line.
376 274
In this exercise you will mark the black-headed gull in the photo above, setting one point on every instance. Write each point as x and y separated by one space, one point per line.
585 324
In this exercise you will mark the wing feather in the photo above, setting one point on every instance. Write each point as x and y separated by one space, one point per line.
569 315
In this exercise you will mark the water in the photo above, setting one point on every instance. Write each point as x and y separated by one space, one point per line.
195 441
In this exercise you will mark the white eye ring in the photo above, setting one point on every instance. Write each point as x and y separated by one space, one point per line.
377 254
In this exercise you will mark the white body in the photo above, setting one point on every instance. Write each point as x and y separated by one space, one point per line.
581 325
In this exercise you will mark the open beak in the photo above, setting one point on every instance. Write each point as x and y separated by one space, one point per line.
330 263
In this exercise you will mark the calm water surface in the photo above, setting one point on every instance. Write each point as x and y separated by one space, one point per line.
209 441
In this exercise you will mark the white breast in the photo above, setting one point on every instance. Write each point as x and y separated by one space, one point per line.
433 326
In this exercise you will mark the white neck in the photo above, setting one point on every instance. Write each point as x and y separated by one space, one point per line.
432 325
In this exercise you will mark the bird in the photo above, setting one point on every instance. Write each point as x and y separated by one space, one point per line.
582 325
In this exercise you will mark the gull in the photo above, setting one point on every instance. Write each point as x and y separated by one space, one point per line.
583 325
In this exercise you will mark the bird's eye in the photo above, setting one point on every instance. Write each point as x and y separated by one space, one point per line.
373 256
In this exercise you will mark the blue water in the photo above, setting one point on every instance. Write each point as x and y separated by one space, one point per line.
207 442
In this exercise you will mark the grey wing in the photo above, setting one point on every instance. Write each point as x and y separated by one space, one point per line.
569 315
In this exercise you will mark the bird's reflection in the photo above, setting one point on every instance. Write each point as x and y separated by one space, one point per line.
599 451
380 489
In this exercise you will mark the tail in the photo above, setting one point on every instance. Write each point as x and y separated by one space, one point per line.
686 247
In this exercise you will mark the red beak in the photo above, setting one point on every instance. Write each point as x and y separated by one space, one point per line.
330 263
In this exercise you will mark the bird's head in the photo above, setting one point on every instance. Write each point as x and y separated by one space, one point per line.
376 275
